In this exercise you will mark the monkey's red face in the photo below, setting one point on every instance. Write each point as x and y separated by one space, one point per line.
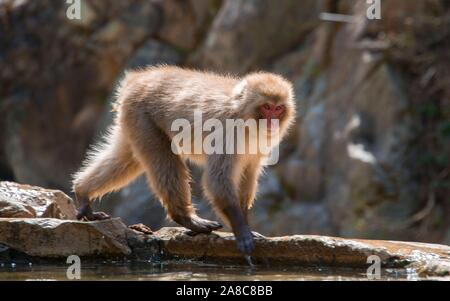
270 111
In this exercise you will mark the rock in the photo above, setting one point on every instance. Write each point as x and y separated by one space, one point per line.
369 168
447 237
292 62
141 228
305 250
304 178
88 16
47 117
111 32
18 200
269 185
290 217
36 142
435 268
245 33
154 52
184 21
50 238
355 152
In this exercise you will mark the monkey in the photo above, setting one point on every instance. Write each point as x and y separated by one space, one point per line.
139 141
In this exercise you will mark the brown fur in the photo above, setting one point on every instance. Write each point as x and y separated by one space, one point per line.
140 141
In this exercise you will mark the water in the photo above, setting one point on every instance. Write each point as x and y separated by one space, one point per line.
186 270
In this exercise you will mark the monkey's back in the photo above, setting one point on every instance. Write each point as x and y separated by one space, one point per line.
174 93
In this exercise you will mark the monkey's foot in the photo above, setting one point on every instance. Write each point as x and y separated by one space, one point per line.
198 224
245 243
258 235
141 228
85 213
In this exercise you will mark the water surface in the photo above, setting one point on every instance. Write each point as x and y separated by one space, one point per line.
187 270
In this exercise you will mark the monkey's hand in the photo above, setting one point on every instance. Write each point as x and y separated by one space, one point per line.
85 213
244 242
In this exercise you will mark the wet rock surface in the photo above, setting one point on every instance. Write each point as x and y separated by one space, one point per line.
52 238
18 200
307 250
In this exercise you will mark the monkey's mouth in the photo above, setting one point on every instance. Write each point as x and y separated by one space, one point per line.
271 125
271 133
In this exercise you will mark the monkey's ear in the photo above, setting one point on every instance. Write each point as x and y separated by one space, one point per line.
240 88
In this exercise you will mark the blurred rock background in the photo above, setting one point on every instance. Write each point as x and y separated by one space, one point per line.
368 157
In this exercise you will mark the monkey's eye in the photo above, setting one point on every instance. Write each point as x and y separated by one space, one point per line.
266 106
279 108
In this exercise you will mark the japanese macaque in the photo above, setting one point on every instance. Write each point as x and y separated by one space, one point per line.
148 101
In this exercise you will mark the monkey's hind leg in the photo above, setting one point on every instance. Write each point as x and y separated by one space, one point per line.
167 175
109 167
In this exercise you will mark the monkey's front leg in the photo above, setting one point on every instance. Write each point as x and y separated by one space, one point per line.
221 189
247 190
244 237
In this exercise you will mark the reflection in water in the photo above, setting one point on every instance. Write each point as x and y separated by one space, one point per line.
183 270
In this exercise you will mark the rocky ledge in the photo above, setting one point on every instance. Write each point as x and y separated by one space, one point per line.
48 238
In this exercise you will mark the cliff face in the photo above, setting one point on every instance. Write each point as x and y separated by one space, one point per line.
368 156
